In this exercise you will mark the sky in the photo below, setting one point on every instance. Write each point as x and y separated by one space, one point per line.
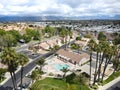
60 7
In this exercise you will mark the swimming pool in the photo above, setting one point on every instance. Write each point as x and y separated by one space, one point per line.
58 67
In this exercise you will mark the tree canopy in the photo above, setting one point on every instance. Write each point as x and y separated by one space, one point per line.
101 36
15 34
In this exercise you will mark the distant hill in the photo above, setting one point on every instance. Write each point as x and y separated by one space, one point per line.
44 18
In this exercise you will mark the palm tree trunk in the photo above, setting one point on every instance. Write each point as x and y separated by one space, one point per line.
90 67
64 76
40 67
106 64
115 69
65 43
96 68
21 76
116 65
80 82
69 42
100 58
99 68
13 81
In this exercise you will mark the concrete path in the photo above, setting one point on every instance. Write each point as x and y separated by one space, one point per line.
108 85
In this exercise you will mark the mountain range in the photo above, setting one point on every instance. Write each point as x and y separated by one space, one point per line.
45 18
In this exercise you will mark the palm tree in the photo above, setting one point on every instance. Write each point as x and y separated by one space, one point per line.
64 34
79 74
55 47
98 50
70 35
41 63
76 47
116 59
116 64
34 76
22 61
8 57
108 56
91 45
64 70
104 45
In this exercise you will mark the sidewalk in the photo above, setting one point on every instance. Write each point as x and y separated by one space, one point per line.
106 86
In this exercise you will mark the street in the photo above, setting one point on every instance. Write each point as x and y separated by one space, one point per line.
115 86
28 67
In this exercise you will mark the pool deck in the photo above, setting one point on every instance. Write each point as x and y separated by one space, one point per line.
49 67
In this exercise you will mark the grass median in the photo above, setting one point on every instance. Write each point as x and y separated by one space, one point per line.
111 77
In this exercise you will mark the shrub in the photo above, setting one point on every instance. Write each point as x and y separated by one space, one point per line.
51 74
87 36
69 78
95 87
78 38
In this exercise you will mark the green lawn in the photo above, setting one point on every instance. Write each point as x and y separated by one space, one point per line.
50 83
111 77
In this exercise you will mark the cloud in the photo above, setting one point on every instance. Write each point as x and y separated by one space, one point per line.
60 7
14 2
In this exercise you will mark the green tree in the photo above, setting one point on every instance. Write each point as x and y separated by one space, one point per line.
22 59
98 50
34 76
64 33
70 34
37 35
104 45
41 63
47 29
78 38
87 36
76 47
9 40
116 64
8 57
101 36
1 43
91 45
116 40
27 38
108 56
2 32
15 34
55 48
64 70
2 73
30 32
50 30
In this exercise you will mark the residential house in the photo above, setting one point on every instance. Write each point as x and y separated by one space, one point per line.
44 46
69 56
83 42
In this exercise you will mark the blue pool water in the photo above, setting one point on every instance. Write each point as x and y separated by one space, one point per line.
59 66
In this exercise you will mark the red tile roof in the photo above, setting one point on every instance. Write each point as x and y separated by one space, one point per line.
73 56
